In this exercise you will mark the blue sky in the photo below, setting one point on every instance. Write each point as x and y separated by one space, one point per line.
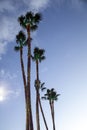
63 34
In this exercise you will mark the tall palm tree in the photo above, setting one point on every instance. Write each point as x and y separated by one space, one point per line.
21 41
38 57
52 96
29 22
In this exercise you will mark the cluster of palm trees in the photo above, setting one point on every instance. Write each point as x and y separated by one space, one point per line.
30 22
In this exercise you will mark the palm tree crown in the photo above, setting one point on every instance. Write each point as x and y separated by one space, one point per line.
38 54
51 95
30 19
21 40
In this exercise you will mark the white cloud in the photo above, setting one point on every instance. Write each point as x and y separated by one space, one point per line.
39 4
9 28
9 12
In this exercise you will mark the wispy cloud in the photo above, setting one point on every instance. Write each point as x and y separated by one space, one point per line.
2 48
11 9
9 12
8 31
39 4
6 75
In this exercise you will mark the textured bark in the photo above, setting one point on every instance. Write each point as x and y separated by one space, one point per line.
27 119
43 114
28 81
37 97
52 113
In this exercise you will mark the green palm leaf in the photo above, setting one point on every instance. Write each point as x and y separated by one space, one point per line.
21 38
30 19
22 21
16 48
37 17
38 54
34 27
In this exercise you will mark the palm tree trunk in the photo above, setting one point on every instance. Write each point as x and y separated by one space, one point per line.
25 88
23 71
37 97
43 114
37 111
52 113
28 81
27 118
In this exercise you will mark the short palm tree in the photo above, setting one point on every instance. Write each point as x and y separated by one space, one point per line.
29 22
52 96
38 57
42 88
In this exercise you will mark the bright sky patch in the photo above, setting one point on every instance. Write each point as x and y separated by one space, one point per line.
2 94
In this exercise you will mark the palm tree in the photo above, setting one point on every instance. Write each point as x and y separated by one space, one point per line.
52 96
38 57
29 22
42 89
21 41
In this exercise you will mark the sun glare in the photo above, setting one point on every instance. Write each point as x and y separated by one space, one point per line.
2 94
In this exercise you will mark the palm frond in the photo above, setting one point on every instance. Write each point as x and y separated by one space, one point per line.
17 48
52 89
25 43
37 17
36 50
42 58
57 95
43 98
42 51
33 58
21 38
29 15
48 90
22 21
44 88
34 27
42 84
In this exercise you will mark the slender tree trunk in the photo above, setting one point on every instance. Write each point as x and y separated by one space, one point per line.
43 114
52 113
37 97
25 88
27 118
37 111
22 69
28 81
